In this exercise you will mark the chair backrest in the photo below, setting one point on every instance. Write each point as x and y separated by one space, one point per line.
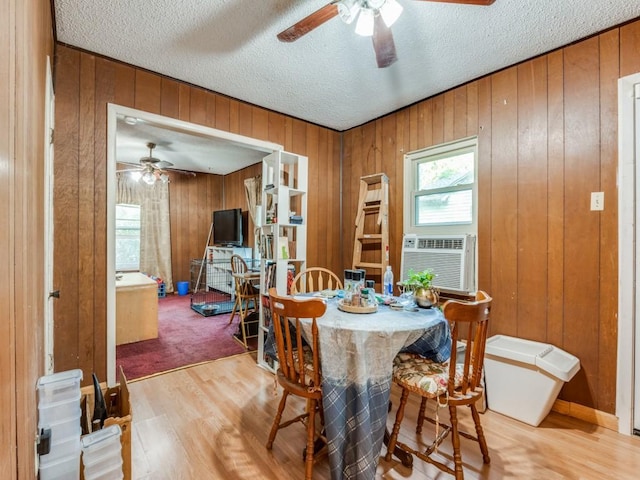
315 279
238 265
469 320
286 313
244 288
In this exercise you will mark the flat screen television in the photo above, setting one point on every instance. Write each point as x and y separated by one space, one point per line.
227 227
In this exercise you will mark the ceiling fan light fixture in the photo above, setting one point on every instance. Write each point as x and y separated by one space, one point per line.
390 12
364 26
348 10
149 178
164 178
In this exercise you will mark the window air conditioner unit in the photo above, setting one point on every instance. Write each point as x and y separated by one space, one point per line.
450 257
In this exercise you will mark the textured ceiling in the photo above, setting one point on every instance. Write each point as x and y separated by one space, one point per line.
329 76
184 149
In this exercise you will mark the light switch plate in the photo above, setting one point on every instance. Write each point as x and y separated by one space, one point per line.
597 200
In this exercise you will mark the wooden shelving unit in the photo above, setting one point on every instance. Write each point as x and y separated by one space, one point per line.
283 235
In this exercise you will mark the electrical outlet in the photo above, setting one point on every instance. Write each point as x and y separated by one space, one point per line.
597 201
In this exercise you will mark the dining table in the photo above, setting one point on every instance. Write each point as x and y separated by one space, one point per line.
356 355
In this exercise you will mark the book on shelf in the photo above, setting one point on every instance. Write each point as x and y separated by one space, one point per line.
266 246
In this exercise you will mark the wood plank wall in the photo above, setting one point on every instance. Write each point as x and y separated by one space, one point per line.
192 199
26 40
84 85
547 131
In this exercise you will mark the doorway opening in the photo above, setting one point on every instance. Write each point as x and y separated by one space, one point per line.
628 368
232 152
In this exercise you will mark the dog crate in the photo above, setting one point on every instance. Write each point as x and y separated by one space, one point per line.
212 287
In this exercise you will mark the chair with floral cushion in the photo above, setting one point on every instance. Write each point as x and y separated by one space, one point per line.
298 366
451 384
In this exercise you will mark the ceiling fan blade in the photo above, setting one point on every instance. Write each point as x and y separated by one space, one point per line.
162 164
182 172
308 23
463 2
383 43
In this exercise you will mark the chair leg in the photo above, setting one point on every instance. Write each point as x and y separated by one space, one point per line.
311 434
420 422
235 309
243 330
393 438
480 434
455 441
277 420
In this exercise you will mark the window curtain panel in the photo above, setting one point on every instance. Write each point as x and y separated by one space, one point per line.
253 192
155 226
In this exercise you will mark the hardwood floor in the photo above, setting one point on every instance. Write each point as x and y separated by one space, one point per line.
211 421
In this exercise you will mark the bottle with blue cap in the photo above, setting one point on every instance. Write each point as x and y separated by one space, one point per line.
387 282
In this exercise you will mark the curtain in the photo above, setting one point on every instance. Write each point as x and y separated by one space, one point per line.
155 226
253 190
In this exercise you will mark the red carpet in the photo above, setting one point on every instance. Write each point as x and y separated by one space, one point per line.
184 338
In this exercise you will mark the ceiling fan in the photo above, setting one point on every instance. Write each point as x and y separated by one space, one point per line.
153 168
375 18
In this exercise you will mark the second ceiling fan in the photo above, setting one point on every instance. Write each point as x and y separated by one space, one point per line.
374 19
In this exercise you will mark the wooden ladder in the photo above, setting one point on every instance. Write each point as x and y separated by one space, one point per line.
372 224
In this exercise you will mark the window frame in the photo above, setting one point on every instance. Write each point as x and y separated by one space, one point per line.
127 268
437 152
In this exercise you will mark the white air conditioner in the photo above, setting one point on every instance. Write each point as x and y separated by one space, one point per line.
450 257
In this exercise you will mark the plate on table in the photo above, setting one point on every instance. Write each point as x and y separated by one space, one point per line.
345 307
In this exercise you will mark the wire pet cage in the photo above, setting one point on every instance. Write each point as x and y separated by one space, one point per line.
212 286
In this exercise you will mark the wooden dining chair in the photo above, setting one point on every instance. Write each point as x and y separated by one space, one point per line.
298 366
246 293
315 279
452 384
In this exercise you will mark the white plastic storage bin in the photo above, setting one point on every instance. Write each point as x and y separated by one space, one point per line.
59 387
65 468
102 454
58 412
523 378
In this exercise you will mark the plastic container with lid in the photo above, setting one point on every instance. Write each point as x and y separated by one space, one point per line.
64 429
105 470
101 444
59 387
65 468
523 377
60 411
62 448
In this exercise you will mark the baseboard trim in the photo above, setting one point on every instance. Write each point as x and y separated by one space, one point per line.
587 414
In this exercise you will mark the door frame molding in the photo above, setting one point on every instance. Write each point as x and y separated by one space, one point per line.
113 110
49 120
627 273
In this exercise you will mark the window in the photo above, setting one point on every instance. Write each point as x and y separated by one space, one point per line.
440 189
127 237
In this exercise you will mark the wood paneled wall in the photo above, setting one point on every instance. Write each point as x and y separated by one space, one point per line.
192 199
84 85
547 131
25 42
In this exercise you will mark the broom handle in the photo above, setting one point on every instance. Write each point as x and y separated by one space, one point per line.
204 259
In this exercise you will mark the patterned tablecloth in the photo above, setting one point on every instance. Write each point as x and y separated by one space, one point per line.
357 352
